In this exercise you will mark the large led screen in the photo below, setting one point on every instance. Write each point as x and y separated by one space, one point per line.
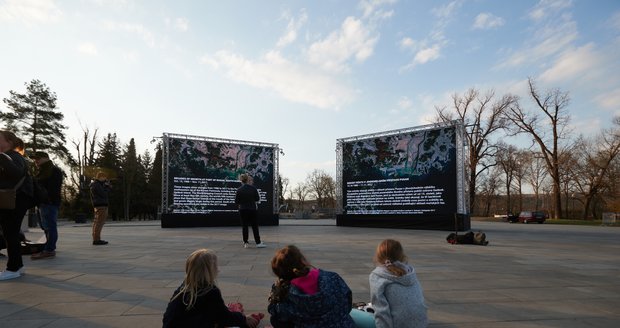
203 176
412 173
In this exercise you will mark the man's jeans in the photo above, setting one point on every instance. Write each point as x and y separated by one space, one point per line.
49 216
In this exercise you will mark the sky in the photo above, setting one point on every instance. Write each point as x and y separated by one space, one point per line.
302 74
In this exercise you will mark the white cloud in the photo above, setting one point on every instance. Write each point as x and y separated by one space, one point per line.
371 8
447 11
87 48
485 21
290 35
404 103
546 8
545 42
427 54
289 80
571 64
115 4
30 11
408 43
181 24
429 49
423 56
131 56
615 20
137 29
609 100
352 40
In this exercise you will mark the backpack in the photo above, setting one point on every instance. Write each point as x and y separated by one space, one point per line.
480 238
474 238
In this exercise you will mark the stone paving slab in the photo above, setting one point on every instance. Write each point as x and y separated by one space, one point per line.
528 276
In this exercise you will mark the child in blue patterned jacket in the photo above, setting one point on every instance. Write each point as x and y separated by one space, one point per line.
306 297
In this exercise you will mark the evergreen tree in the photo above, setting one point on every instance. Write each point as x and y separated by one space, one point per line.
33 116
153 190
109 161
130 167
142 204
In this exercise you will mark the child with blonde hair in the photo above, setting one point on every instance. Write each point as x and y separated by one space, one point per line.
395 292
198 302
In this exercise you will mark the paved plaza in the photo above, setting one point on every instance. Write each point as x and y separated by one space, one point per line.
528 276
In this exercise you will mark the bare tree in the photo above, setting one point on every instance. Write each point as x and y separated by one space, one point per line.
520 172
535 174
612 194
483 117
322 187
81 172
488 189
506 158
568 174
547 132
301 192
283 183
596 158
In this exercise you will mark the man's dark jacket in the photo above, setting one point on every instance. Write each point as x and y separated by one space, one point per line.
246 197
50 177
99 193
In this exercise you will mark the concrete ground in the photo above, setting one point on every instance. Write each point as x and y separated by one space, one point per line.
528 276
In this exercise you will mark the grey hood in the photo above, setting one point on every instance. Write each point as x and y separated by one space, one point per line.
407 279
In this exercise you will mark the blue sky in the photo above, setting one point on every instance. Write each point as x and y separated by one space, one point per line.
303 73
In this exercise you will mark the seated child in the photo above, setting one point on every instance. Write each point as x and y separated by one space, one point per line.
304 296
198 302
395 292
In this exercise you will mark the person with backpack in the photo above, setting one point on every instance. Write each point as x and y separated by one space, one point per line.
49 179
13 175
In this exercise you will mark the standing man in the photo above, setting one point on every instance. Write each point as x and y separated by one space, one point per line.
247 198
99 190
49 177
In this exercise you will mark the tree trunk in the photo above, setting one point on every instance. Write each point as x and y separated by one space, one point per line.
557 198
472 191
586 206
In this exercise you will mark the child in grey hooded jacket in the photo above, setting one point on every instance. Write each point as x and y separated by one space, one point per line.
395 291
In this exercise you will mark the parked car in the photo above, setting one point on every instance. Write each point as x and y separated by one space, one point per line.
533 216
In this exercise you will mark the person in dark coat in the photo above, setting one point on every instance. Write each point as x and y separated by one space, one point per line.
99 194
307 297
13 175
247 198
49 178
198 301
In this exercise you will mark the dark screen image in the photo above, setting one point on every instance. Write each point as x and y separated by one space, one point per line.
409 173
203 175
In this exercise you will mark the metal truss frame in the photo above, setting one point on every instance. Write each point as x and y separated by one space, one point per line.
166 158
461 141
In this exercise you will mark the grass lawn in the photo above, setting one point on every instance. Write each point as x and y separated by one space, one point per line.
579 222
553 221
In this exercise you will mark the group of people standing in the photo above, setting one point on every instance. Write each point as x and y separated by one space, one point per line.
37 184
303 296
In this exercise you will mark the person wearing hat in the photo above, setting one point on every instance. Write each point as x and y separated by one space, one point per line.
99 194
49 177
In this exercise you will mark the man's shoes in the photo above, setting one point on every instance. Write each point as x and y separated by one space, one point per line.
22 270
43 255
6 275
261 245
246 245
100 242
